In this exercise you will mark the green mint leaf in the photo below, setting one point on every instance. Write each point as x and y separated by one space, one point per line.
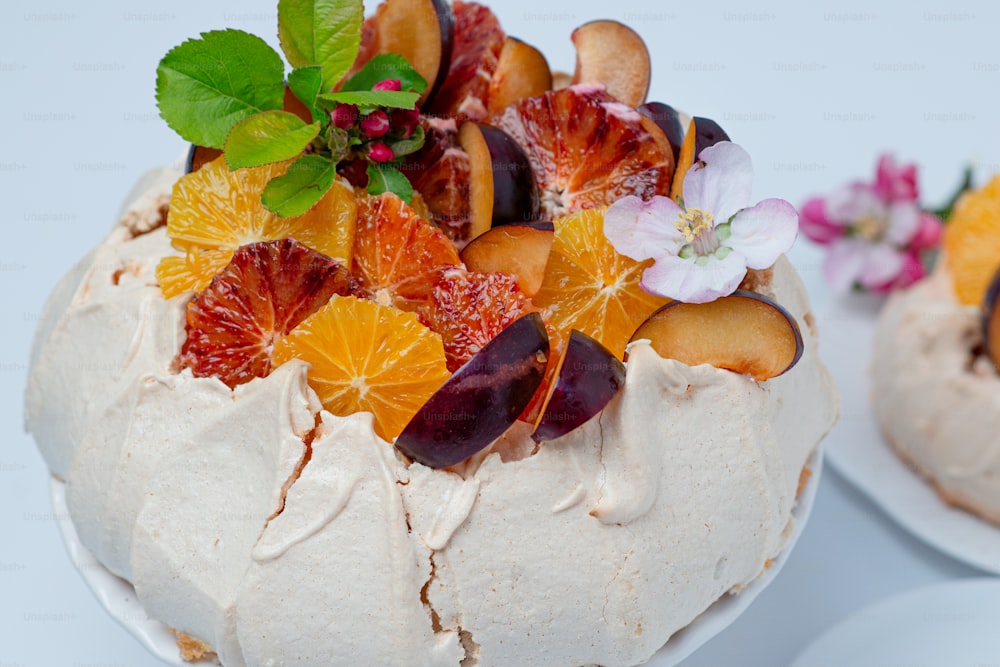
401 147
326 33
385 177
266 137
207 85
298 190
387 66
375 98
306 84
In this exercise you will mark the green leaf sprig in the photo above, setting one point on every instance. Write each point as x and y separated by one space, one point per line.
226 90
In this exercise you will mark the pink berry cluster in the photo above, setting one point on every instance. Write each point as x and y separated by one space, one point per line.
376 129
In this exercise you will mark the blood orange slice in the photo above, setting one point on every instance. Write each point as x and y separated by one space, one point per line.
589 286
588 150
398 256
265 291
477 45
469 309
365 357
440 173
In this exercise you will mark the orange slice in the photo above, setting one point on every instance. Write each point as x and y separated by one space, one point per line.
366 357
972 242
214 211
398 256
589 286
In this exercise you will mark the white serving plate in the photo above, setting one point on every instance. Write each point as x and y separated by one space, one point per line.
118 597
953 624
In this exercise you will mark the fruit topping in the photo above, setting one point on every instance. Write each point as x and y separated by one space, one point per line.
214 211
587 150
591 287
519 250
422 31
199 156
501 185
266 290
668 120
398 256
478 42
612 54
481 400
470 309
521 72
587 377
365 357
744 332
972 242
440 173
701 133
991 320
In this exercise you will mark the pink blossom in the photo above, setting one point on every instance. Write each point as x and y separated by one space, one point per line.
388 84
405 121
379 152
875 231
375 124
344 116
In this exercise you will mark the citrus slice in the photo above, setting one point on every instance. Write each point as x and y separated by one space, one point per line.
476 51
263 293
215 211
365 357
589 286
588 150
972 242
469 309
398 256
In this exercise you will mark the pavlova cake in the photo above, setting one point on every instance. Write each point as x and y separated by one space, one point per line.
936 360
430 357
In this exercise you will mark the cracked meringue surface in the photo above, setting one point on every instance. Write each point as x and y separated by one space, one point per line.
280 534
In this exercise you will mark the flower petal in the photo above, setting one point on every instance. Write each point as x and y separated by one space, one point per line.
643 229
895 182
764 232
844 262
814 223
851 203
684 280
721 186
882 264
929 233
903 222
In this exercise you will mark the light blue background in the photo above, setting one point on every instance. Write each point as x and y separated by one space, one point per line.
813 90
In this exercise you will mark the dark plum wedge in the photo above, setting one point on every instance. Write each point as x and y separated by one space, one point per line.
502 186
422 31
991 320
588 377
522 71
519 250
198 156
482 399
744 332
613 54
668 120
707 133
701 133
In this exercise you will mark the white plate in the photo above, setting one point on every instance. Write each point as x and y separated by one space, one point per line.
945 625
119 598
857 451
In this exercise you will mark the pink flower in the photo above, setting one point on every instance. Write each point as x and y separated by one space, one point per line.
344 116
875 231
379 152
701 249
375 124
389 84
